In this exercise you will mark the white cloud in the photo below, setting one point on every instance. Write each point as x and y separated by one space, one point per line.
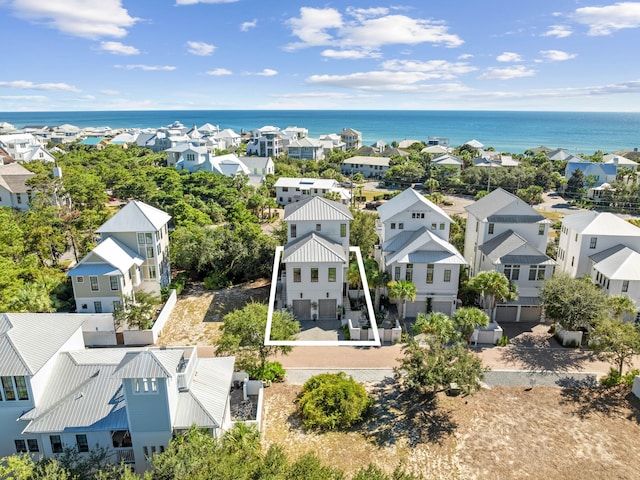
218 72
349 54
51 87
370 30
386 81
507 73
438 68
110 92
632 87
558 31
267 72
609 19
148 68
465 56
509 57
118 48
245 26
200 48
82 18
27 98
557 55
194 2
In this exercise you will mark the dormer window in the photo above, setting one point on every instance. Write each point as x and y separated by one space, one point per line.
491 227
145 385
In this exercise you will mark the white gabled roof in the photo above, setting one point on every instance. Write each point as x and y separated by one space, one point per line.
135 216
475 143
618 263
118 256
314 249
497 201
29 340
406 200
421 246
292 182
316 208
600 223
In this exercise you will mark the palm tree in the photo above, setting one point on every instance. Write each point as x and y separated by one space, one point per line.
402 291
621 304
377 279
467 319
353 278
493 287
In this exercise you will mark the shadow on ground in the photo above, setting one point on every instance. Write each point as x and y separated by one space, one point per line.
397 415
600 400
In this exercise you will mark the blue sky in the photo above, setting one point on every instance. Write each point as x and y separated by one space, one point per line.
258 54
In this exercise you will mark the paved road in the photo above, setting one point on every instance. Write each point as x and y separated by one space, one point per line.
494 378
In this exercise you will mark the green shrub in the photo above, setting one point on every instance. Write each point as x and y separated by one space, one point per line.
503 342
332 400
272 372
177 284
612 379
630 376
216 281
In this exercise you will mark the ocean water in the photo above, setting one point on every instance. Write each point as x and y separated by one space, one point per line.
515 132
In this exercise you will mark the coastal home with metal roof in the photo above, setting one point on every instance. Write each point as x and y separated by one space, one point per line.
507 235
133 254
414 246
292 190
56 394
14 191
351 138
368 166
316 257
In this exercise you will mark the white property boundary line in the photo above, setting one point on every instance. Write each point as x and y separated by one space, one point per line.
321 343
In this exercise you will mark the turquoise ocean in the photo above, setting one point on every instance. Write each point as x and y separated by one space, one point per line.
515 132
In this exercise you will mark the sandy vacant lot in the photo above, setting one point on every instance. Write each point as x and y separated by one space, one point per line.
501 433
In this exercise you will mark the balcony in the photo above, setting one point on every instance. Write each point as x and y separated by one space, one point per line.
124 455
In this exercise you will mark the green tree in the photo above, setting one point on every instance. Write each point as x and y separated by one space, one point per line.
467 319
436 324
615 342
402 290
243 334
137 312
376 279
493 287
362 231
330 401
621 305
574 303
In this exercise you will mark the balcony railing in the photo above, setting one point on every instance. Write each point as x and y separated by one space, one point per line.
125 455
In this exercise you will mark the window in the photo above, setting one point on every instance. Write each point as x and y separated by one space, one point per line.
152 272
434 226
294 230
593 242
94 284
145 449
314 275
393 226
117 305
82 443
297 275
97 306
625 286
150 252
491 227
7 389
447 275
285 189
113 281
536 272
572 259
396 275
332 274
145 239
145 385
318 227
442 226
541 229
161 448
408 274
21 387
343 230
21 446
32 445
19 198
401 226
512 272
429 272
80 279
576 239
56 443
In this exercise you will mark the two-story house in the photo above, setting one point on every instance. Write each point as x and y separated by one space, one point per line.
368 166
414 246
305 149
56 394
266 141
133 254
507 235
292 190
14 191
316 256
351 138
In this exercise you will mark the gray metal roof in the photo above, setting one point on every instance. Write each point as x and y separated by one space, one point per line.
527 260
525 301
620 264
499 250
597 257
517 219
209 391
29 340
135 216
422 245
495 202
316 208
313 248
443 258
80 398
142 364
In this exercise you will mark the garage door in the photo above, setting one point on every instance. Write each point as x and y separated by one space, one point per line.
506 314
302 309
327 308
443 307
414 308
530 314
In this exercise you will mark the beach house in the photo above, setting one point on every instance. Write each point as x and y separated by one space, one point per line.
414 246
291 190
505 234
14 191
